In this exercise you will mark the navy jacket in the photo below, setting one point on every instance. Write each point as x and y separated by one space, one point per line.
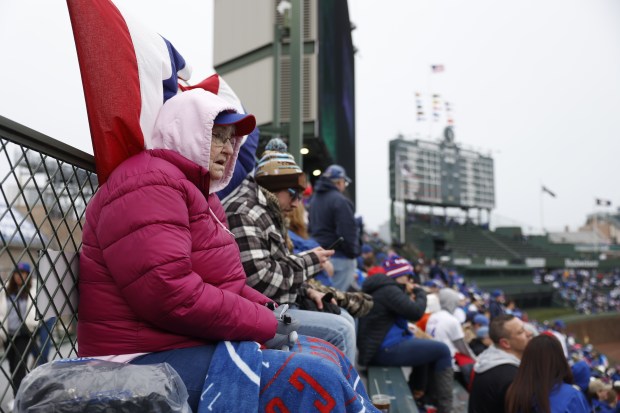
331 216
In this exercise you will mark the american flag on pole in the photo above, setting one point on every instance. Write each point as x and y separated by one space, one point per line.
437 68
128 72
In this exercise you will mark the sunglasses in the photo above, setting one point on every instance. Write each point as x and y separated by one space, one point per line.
295 194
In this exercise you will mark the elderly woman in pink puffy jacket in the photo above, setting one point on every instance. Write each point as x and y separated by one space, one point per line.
161 278
156 248
159 270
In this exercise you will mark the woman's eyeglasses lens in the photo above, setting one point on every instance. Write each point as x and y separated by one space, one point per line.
219 140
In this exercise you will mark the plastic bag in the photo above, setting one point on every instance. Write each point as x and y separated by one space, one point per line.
91 385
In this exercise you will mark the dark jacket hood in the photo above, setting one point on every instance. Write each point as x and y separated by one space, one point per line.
377 281
324 185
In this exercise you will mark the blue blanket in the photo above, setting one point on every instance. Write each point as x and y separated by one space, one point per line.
313 376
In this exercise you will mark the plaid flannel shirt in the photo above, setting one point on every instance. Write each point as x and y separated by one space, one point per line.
255 218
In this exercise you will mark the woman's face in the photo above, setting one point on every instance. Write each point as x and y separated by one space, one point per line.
222 149
19 277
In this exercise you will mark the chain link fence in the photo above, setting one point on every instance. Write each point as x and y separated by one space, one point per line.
45 186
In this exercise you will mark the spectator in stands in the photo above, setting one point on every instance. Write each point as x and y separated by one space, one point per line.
256 213
581 375
479 320
385 339
298 233
459 311
367 253
497 366
182 288
543 383
496 303
598 359
558 329
599 393
432 306
18 321
481 342
511 308
438 273
418 270
433 286
332 215
445 327
356 303
476 303
375 269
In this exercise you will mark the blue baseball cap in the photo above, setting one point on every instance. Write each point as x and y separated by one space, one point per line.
559 324
336 172
23 266
497 293
244 123
482 332
366 249
481 319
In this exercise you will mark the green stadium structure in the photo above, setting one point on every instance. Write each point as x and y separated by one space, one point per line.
503 258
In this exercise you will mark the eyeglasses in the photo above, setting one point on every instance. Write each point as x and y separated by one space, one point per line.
219 140
295 194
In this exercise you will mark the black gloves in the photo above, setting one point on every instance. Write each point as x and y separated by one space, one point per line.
286 335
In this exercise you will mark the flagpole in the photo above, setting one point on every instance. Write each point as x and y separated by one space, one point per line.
401 193
594 228
430 96
542 224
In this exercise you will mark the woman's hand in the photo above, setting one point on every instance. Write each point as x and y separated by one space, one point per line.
329 268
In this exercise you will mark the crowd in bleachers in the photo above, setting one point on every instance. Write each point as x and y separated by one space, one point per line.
196 252
474 309
588 291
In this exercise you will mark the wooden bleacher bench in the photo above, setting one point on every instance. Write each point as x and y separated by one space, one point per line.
391 381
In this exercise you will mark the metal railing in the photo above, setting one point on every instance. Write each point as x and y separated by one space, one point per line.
45 186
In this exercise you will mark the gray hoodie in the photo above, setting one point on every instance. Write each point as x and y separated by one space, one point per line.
493 357
449 299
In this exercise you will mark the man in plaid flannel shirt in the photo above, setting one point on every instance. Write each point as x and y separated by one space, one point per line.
255 212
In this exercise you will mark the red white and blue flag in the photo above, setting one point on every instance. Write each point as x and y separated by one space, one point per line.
128 72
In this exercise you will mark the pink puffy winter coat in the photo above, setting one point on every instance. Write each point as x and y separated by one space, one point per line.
159 269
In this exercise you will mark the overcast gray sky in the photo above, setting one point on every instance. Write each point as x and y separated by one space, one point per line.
533 83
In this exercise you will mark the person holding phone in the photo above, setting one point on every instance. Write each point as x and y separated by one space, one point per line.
298 232
256 213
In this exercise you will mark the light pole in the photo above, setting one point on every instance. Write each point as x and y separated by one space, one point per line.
296 121
292 28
